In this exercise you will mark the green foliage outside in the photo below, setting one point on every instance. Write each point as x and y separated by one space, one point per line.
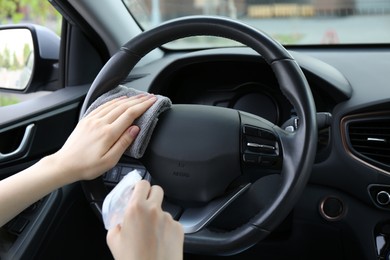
10 61
34 11
8 100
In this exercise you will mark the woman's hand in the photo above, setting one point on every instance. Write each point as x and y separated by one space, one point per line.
100 138
147 232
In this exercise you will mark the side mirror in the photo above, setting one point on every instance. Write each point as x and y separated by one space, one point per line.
28 58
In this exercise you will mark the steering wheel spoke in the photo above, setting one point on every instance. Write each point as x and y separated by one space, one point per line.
195 219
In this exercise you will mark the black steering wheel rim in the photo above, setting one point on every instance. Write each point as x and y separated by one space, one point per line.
299 147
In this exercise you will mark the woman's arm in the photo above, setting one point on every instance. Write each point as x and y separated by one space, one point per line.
95 145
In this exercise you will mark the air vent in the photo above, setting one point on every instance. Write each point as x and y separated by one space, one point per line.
369 140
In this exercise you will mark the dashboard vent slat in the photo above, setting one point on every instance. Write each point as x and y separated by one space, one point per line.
369 139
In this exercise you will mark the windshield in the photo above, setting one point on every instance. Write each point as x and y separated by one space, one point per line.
291 22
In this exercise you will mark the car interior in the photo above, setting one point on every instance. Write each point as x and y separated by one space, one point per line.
269 151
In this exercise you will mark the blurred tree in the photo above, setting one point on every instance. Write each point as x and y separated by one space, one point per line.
36 11
9 10
15 62
6 58
26 51
40 11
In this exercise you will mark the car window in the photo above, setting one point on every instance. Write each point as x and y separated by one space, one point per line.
17 12
292 22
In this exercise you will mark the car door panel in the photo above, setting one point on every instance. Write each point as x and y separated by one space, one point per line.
51 118
48 115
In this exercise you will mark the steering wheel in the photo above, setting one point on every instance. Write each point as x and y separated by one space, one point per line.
210 160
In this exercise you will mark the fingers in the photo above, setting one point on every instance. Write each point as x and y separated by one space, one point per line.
147 232
143 199
144 192
156 195
124 141
112 232
102 109
130 105
141 191
128 113
111 110
116 116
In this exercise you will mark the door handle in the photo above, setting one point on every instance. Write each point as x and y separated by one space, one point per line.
22 146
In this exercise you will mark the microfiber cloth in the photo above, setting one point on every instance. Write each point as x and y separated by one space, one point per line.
146 122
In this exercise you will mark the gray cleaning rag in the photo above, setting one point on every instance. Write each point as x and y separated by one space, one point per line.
146 122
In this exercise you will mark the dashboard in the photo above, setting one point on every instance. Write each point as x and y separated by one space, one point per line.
239 78
244 82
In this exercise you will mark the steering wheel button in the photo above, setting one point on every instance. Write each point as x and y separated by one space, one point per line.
113 175
258 132
267 135
19 225
261 148
142 172
126 170
251 158
268 161
249 130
